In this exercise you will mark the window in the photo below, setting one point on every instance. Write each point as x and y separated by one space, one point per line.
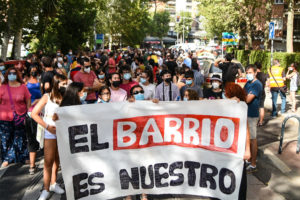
278 1
278 23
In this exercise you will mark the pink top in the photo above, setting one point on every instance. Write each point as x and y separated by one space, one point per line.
118 95
88 80
20 95
128 86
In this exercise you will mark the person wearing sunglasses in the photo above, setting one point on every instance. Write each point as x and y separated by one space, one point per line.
91 83
137 93
15 100
104 95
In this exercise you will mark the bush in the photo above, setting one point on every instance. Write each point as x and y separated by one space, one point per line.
264 57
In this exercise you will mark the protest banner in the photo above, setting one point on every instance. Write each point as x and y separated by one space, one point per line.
119 149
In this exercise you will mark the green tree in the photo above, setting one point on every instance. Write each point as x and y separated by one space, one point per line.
290 26
184 26
160 24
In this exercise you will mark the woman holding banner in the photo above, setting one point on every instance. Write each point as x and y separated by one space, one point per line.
49 102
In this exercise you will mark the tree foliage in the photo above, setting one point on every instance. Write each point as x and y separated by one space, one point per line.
160 24
184 26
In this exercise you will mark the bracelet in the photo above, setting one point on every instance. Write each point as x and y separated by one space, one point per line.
47 126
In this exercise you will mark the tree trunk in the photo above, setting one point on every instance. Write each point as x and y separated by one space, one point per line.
155 7
290 28
5 46
249 35
18 44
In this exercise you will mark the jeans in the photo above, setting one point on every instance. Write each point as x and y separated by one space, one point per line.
274 102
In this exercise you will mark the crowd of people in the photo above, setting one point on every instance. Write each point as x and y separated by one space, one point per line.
30 94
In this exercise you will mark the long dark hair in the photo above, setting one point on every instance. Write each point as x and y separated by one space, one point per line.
19 75
55 95
71 97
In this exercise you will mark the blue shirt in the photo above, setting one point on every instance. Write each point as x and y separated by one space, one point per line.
35 91
255 88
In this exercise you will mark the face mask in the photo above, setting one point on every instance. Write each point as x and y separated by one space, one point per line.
150 52
139 97
101 76
143 80
87 70
2 68
250 77
223 96
58 54
215 85
160 71
70 53
185 99
189 82
62 90
34 74
127 76
12 77
104 101
59 65
116 84
82 99
168 80
291 69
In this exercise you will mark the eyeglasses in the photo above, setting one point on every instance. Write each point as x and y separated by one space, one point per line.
106 93
12 73
137 92
87 66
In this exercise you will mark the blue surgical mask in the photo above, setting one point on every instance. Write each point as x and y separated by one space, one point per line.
101 76
2 68
12 77
139 97
102 101
127 76
249 77
223 96
143 80
189 82
185 99
82 99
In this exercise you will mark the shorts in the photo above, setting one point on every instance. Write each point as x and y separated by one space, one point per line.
262 101
293 89
252 124
49 136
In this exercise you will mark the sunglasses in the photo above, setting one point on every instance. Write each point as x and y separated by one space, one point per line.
136 92
12 73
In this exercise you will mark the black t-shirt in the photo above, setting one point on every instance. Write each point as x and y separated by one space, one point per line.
47 77
172 65
229 71
262 77
210 94
103 60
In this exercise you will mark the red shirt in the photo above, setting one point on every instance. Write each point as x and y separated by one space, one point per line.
128 86
88 80
20 96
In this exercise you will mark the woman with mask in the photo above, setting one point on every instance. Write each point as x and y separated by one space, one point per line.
34 88
50 102
137 93
293 76
215 92
104 95
14 101
102 76
190 95
74 95
117 93
146 81
127 82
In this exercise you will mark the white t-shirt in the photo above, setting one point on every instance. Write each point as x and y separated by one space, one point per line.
149 91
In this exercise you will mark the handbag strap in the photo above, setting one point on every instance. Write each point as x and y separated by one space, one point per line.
273 77
12 105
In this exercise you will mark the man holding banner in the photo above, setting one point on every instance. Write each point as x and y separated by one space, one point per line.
187 148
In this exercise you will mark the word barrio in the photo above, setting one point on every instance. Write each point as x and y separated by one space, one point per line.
119 149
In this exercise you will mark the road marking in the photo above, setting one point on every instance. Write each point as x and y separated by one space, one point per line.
277 162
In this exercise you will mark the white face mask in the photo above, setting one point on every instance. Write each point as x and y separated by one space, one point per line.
87 70
59 65
215 85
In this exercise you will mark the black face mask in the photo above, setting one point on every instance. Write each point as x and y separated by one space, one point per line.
34 74
62 90
116 84
168 80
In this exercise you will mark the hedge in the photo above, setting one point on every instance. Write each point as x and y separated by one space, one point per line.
264 57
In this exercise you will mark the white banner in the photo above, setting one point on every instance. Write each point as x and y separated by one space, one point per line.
119 149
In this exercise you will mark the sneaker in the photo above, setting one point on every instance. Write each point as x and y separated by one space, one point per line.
45 195
32 170
56 188
251 169
247 163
